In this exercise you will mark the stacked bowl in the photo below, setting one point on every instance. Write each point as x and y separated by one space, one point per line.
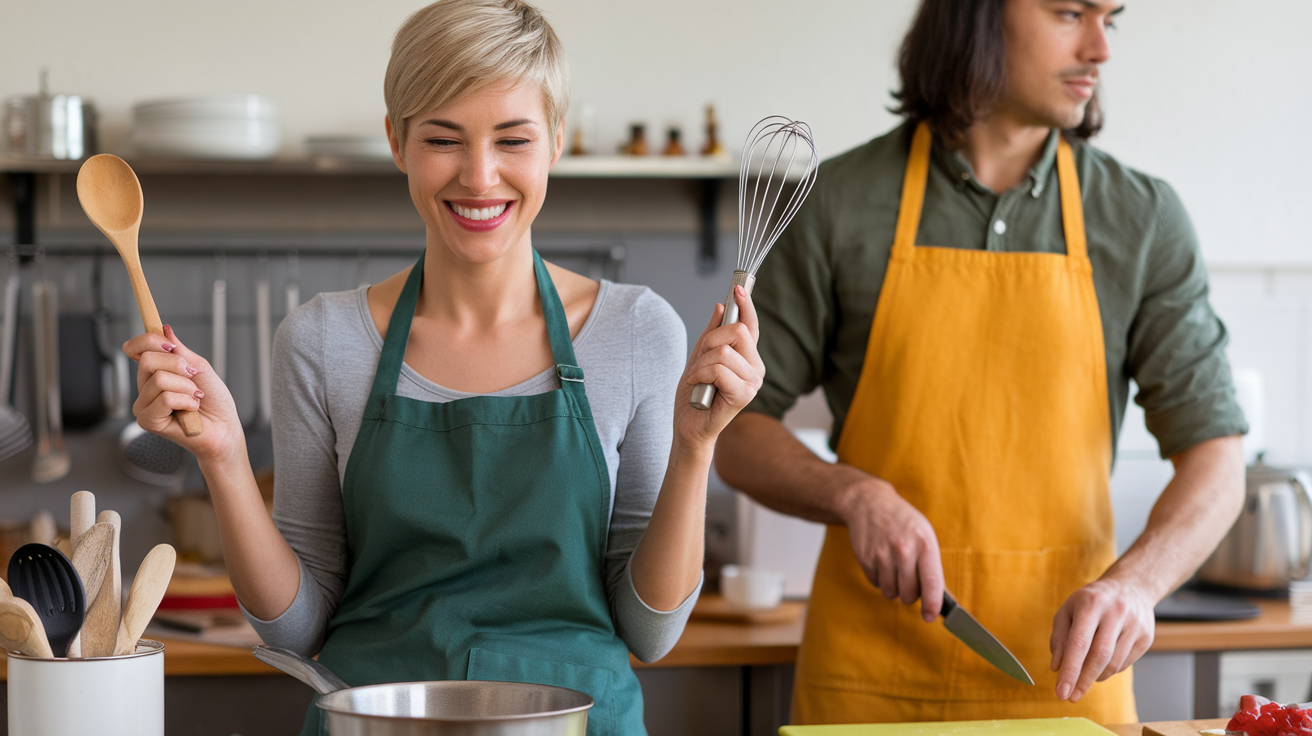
243 127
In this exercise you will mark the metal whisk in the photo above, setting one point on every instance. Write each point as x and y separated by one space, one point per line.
778 169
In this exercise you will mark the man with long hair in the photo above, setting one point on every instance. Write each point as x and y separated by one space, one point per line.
974 291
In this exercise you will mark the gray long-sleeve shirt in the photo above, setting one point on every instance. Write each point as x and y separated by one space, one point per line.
631 350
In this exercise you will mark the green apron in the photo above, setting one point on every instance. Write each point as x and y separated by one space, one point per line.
477 533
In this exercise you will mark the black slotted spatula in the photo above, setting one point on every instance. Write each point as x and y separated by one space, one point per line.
44 577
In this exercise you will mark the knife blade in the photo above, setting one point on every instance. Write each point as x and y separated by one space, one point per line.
974 635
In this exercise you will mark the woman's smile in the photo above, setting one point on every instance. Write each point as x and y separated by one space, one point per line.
479 216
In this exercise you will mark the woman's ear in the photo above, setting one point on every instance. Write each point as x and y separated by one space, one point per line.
559 148
395 143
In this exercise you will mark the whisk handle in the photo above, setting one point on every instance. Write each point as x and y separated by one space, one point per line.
703 394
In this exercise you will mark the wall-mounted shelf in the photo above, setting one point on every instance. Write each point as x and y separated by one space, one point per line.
708 172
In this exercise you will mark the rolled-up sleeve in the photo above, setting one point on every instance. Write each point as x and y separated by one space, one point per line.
1177 343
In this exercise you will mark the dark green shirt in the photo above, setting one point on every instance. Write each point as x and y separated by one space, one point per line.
818 288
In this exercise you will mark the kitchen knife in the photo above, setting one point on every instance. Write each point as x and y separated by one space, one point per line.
972 634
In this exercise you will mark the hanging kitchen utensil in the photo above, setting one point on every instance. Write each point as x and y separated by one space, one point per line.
779 163
15 433
219 305
100 632
81 378
259 432
111 196
52 460
293 282
445 708
44 577
148 588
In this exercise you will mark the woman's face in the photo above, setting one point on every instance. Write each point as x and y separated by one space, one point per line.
478 169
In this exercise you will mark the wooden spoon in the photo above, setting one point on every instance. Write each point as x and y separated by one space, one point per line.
111 196
147 591
21 630
93 560
100 632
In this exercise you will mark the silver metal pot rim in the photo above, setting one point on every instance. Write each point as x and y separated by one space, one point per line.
467 719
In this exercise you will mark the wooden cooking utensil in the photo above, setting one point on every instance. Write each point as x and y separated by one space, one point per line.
111 196
100 632
92 560
5 592
147 591
82 515
21 630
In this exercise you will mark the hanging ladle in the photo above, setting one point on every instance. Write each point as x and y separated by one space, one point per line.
111 196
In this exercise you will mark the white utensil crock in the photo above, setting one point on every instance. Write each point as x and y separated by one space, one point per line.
106 696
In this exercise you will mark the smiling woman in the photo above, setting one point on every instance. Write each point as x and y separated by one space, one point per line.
487 466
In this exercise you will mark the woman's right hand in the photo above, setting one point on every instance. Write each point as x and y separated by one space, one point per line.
170 377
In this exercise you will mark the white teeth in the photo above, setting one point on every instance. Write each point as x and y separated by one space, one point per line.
485 213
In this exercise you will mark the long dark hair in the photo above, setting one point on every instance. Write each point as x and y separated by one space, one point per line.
953 65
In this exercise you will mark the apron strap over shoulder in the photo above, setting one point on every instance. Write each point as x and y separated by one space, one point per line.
562 349
398 333
1072 204
913 193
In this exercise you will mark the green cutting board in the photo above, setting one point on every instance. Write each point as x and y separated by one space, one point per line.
1027 727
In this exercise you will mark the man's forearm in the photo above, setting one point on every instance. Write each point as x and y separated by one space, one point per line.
1195 511
760 457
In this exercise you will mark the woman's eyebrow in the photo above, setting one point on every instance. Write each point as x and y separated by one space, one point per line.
460 128
513 124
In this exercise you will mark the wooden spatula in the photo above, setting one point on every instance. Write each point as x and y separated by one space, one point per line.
21 630
147 591
93 560
100 632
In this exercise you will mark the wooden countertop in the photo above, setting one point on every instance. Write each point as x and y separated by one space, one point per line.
1167 728
728 644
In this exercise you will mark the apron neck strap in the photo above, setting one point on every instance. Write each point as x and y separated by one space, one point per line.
917 174
1072 204
398 330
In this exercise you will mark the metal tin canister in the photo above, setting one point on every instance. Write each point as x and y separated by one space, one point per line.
106 696
60 127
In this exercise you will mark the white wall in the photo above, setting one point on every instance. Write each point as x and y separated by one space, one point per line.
1209 95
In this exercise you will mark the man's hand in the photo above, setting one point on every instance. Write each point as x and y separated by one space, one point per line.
896 546
1100 630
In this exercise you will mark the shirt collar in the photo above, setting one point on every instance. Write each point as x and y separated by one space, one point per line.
956 165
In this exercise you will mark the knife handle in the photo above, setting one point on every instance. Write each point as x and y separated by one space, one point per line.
949 604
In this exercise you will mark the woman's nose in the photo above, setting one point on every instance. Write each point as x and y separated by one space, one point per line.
479 174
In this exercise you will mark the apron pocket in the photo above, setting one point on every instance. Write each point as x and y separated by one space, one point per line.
595 681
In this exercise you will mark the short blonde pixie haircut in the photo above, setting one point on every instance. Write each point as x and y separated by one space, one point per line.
455 48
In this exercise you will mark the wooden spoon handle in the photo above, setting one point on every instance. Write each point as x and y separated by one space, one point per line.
189 420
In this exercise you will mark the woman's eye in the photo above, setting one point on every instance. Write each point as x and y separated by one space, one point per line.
441 142
515 142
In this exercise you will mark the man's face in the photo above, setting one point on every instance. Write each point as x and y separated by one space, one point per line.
1054 48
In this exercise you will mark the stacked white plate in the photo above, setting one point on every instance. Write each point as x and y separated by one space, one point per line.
243 127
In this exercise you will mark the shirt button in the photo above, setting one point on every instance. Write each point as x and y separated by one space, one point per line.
999 227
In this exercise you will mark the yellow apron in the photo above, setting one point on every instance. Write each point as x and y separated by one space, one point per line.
983 400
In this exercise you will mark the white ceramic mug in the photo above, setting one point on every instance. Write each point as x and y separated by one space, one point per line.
751 588
106 696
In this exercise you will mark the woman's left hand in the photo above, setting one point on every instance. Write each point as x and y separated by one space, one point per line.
725 355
